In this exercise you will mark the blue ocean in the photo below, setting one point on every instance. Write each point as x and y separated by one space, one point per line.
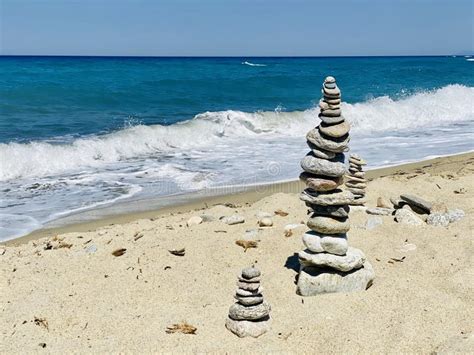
82 133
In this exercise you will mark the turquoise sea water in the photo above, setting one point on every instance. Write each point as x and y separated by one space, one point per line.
77 133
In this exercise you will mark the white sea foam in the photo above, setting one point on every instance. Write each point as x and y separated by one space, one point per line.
254 64
447 105
470 59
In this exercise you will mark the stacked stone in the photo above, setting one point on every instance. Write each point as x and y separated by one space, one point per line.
329 264
250 315
355 180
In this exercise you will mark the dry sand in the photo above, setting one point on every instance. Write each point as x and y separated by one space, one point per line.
66 299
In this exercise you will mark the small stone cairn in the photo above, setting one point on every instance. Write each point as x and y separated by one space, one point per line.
328 264
250 315
355 180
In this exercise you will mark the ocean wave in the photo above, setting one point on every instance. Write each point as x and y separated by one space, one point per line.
254 64
470 59
229 129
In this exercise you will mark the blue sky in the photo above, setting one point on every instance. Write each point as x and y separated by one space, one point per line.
236 27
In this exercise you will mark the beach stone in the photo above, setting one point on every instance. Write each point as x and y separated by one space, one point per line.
330 85
352 178
330 79
357 161
419 211
91 249
383 203
321 183
328 225
455 215
405 216
438 219
413 200
318 243
380 211
331 112
315 280
337 130
331 120
397 202
245 328
356 185
353 259
332 198
252 280
247 286
336 145
249 301
320 153
358 201
318 166
265 222
193 221
234 219
250 272
373 222
323 105
358 174
359 192
241 312
332 100
331 92
245 293
335 211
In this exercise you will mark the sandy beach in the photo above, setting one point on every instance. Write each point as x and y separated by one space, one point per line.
64 291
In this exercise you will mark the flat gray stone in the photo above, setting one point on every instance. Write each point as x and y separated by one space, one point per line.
249 301
331 113
329 79
397 202
405 216
356 185
318 166
234 219
314 280
245 328
353 178
335 211
353 259
241 312
250 272
336 92
337 130
323 105
247 286
245 293
321 183
320 153
417 201
380 211
251 281
336 145
333 198
438 219
356 192
319 243
328 225
331 120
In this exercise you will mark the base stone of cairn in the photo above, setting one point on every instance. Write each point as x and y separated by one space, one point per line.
329 264
355 179
250 315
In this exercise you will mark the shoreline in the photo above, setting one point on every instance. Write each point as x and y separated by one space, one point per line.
201 200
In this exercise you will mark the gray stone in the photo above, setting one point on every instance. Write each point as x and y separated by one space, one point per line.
357 161
194 220
336 130
360 192
314 280
252 280
333 198
353 259
323 105
330 85
438 219
247 286
249 301
329 79
244 293
265 222
353 178
318 166
332 100
380 211
320 153
245 328
397 202
250 272
373 222
330 120
417 201
328 225
331 113
358 201
91 249
318 243
357 174
356 185
321 183
241 312
407 217
336 145
234 219
455 215
331 92
335 211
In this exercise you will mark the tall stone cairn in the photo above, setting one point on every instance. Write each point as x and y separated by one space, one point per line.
355 179
328 264
250 315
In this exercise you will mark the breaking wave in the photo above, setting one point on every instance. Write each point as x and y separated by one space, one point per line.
254 64
449 104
